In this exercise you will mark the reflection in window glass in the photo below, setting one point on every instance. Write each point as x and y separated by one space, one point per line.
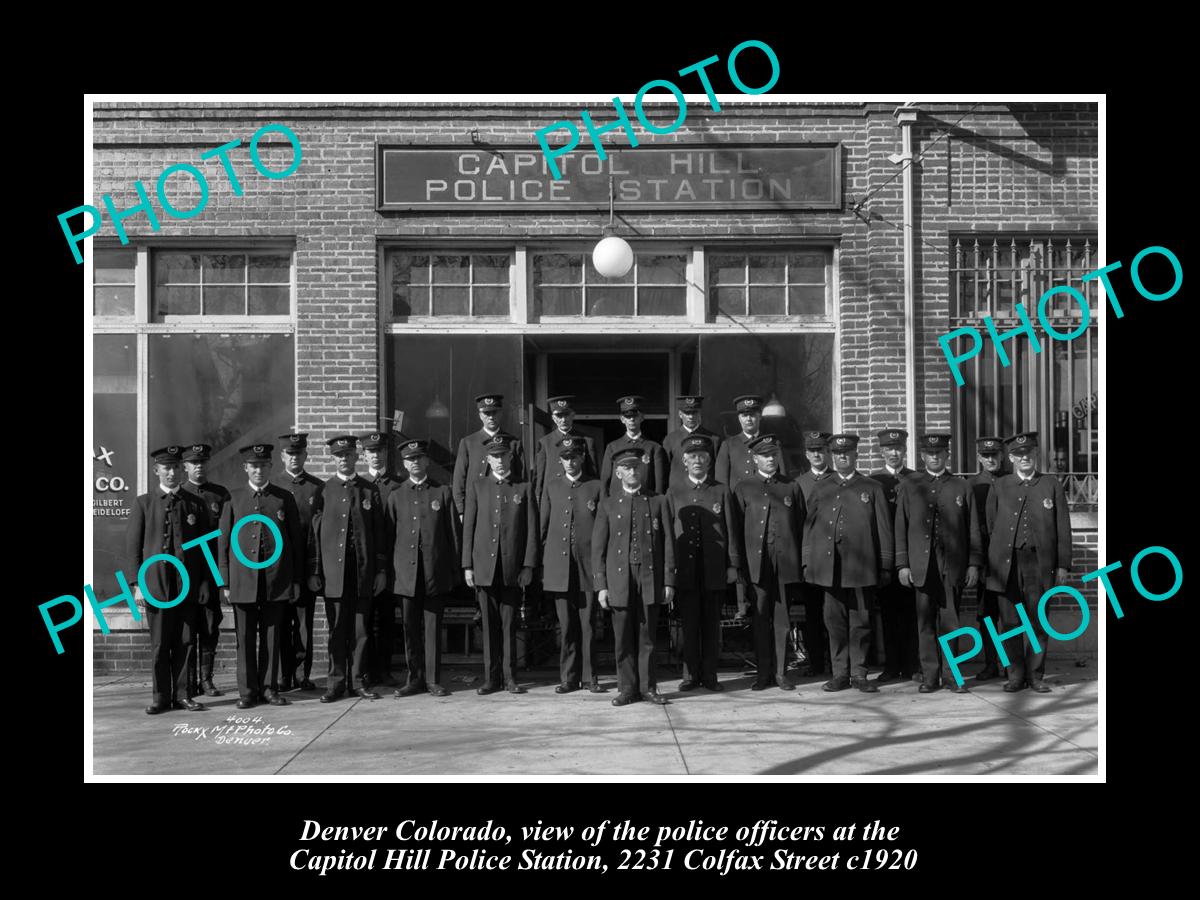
770 284
463 284
222 284
114 475
567 284
113 282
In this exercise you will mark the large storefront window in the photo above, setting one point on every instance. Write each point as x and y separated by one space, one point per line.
448 284
567 284
115 461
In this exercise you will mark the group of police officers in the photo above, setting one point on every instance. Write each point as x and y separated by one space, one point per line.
688 522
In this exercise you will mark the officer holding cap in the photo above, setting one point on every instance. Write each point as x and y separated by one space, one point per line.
654 462
208 614
260 595
816 639
376 448
546 458
989 451
296 646
689 407
898 610
160 523
426 546
471 462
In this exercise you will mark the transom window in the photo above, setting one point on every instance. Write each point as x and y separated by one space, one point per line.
222 284
567 284
771 284
449 284
114 284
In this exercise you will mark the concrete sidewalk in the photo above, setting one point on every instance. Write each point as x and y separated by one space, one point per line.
738 732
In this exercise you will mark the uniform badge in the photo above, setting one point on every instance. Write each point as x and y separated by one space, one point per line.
1048 503
645 459
310 500
958 499
191 519
865 497
215 507
717 508
591 505
787 501
518 497
279 515
435 505
655 521
366 502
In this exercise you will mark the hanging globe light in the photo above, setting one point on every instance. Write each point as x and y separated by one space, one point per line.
612 257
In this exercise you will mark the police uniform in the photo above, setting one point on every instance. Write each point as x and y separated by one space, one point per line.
1029 528
208 612
633 559
897 603
567 516
546 455
735 462
812 597
383 607
471 462
500 547
426 551
296 636
982 483
350 541
847 548
672 443
771 511
259 596
707 544
653 460
937 540
160 523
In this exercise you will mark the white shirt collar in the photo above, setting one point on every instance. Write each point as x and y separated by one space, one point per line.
765 475
376 473
749 437
491 433
628 491
344 477
415 481
500 480
169 492
936 474
256 490
823 471
572 478
634 437
1029 478
697 483
691 430
890 469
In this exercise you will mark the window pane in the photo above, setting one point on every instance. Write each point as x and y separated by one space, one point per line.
766 269
557 268
114 420
451 270
114 266
225 268
594 277
269 301
410 268
270 270
450 301
806 268
491 270
491 301
807 301
560 301
178 301
731 301
661 269
177 268
225 301
111 300
410 301
610 301
766 301
725 269
662 301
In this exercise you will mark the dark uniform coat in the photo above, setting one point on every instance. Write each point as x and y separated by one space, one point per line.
981 485
257 543
704 525
354 501
214 497
545 461
471 464
735 462
150 533
674 453
771 510
1045 502
386 483
654 473
568 505
617 515
891 485
500 524
809 479
422 525
858 510
950 498
305 489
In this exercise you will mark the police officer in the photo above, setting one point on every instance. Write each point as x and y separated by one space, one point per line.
376 448
816 639
208 614
848 551
351 559
771 511
160 523
689 407
990 454
633 571
471 461
707 559
499 553
937 553
1029 552
546 456
568 514
654 475
296 636
426 548
898 609
260 595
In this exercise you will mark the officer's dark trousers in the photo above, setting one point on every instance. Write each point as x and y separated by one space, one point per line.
296 646
816 639
898 610
171 648
423 632
208 632
771 623
575 609
634 628
848 620
258 627
1026 586
937 613
499 604
348 633
383 634
989 605
700 611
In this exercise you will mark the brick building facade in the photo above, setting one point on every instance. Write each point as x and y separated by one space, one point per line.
342 298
